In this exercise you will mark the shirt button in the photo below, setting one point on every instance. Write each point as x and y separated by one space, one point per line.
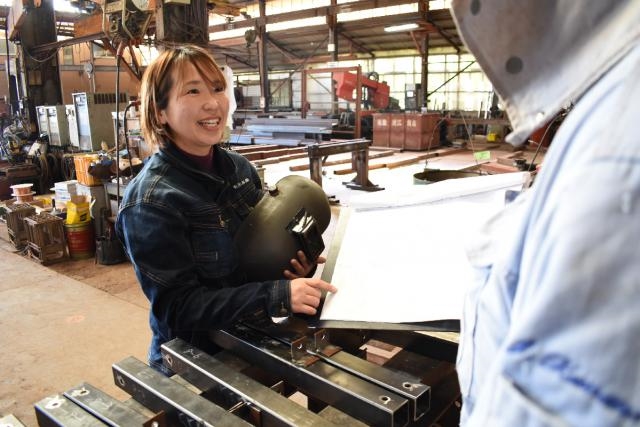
283 312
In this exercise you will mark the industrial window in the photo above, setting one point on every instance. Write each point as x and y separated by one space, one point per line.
67 55
100 52
3 46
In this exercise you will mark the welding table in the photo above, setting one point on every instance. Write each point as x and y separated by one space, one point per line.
262 363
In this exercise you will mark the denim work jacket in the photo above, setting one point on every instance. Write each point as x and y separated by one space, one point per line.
177 225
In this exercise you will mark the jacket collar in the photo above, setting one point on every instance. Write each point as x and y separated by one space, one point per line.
543 55
223 163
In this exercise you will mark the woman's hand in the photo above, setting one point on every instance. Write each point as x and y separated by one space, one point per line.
306 294
302 266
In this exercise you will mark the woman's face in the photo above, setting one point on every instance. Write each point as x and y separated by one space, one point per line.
197 111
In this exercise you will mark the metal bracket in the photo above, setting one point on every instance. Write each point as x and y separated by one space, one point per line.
322 344
299 354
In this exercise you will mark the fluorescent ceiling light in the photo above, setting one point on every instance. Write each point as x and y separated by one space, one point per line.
403 27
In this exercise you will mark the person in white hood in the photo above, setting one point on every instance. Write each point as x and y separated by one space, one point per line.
550 329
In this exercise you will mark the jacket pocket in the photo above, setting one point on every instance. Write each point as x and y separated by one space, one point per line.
213 253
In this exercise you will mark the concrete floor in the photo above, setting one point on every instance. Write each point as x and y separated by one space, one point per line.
57 332
68 323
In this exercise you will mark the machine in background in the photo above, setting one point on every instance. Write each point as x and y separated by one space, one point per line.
92 113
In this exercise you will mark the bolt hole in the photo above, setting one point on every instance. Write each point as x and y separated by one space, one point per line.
385 399
55 403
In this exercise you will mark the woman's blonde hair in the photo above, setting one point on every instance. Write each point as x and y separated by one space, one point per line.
158 80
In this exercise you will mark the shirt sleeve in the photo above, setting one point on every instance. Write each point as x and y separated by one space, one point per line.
570 353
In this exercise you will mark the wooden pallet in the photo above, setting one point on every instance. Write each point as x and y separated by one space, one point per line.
47 242
16 229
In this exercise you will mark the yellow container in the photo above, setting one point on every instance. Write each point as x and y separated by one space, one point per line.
82 163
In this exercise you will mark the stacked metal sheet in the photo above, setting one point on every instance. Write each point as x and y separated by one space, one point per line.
289 131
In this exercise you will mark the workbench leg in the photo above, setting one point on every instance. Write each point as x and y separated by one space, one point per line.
360 161
315 169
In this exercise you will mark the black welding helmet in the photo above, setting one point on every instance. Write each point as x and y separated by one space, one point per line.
290 217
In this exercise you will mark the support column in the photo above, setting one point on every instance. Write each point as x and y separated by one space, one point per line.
332 23
424 81
42 77
261 29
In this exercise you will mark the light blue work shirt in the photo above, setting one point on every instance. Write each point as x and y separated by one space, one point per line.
551 327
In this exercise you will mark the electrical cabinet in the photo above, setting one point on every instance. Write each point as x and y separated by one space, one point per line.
52 121
412 97
43 121
58 125
93 118
74 136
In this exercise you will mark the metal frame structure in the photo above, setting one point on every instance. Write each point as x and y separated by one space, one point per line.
359 150
357 70
262 364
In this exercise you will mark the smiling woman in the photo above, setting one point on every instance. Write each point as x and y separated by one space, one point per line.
197 110
183 101
180 214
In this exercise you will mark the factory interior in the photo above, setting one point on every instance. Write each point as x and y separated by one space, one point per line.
377 103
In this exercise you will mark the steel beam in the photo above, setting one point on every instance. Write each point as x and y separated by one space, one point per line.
422 344
401 383
57 410
206 372
159 393
318 343
316 378
106 408
10 421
